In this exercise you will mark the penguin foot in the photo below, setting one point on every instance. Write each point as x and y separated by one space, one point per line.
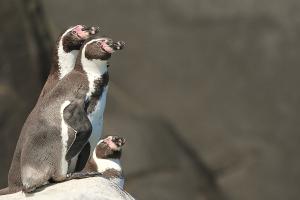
28 189
80 175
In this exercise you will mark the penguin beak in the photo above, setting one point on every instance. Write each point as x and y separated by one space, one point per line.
118 45
91 30
109 46
119 141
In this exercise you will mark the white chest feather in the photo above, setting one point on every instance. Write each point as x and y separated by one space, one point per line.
64 138
95 70
104 164
66 61
96 118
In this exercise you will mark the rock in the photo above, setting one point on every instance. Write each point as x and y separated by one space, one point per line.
96 188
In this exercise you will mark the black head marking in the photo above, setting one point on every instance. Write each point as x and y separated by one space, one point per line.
102 48
74 37
94 51
104 150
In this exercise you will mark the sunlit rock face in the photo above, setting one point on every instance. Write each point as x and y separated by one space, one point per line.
96 188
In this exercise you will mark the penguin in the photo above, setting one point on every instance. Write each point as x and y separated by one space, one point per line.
58 127
65 53
97 102
67 48
106 159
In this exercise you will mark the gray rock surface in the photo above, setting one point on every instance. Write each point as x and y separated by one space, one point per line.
96 188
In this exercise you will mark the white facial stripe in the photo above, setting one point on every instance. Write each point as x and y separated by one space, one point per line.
64 137
99 142
66 61
109 137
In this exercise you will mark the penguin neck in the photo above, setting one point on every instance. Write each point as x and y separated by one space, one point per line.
104 164
94 69
66 60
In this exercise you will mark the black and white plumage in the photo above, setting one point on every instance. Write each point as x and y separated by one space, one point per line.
59 127
67 48
106 159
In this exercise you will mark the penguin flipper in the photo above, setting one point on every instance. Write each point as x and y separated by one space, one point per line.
76 117
83 157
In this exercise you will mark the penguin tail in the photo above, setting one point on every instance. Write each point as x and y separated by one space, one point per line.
5 191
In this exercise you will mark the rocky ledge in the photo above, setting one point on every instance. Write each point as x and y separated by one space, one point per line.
96 188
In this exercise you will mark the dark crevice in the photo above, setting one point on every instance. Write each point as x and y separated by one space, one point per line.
39 26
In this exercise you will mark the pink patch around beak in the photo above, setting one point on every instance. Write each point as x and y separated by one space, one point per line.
110 143
80 33
107 48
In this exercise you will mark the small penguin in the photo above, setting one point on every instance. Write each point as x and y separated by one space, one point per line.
65 54
58 127
106 159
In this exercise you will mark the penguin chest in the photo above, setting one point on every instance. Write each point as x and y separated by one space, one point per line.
64 140
96 118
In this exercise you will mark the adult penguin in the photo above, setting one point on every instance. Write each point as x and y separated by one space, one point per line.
65 54
59 127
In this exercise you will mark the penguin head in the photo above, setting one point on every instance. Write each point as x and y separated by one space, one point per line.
101 48
74 37
110 147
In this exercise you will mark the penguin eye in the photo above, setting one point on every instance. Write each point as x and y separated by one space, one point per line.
73 32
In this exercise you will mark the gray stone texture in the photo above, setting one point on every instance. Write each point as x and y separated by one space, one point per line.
96 188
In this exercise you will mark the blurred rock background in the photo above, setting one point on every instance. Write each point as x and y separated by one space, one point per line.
206 92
